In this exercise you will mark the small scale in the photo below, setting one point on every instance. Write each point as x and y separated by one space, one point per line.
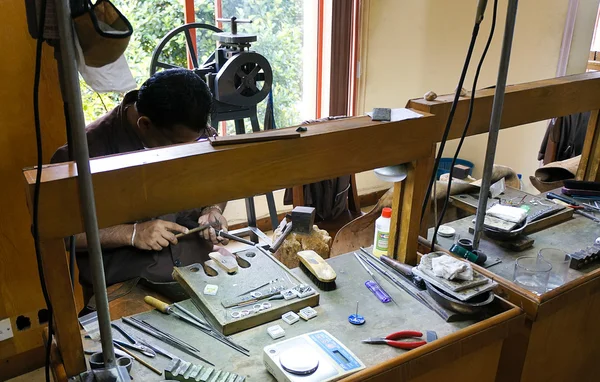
311 357
356 319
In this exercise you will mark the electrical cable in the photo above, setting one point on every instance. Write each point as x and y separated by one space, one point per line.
72 250
451 116
467 123
38 178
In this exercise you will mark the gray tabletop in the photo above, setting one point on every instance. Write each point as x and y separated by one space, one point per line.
569 236
335 306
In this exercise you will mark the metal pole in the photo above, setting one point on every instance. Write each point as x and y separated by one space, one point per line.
490 154
84 178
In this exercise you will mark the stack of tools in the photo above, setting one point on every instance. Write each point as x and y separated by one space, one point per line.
179 370
167 338
587 208
454 284
193 320
402 276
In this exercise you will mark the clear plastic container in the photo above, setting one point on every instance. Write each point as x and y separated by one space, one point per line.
382 233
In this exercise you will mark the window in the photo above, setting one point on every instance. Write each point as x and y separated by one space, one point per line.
286 32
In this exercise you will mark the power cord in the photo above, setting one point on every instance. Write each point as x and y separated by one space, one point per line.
467 123
38 178
461 81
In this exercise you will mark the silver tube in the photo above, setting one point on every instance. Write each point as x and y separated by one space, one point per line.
490 154
84 178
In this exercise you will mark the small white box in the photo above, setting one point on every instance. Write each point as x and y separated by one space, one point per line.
290 318
307 313
211 290
289 294
276 332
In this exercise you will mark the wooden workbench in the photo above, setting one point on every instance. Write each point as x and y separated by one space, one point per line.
560 341
467 350
150 183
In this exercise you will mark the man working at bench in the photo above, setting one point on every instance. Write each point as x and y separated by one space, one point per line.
171 107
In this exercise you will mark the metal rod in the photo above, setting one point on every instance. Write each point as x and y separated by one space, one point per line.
220 337
84 178
208 331
511 18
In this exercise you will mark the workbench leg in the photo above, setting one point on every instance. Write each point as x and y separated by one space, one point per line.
297 196
395 222
272 210
406 211
58 283
251 215
590 154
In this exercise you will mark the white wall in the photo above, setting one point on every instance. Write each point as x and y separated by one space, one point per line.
411 47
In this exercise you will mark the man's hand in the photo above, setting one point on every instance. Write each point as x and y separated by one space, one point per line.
211 216
156 234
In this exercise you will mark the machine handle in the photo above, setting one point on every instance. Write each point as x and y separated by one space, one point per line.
234 22
157 304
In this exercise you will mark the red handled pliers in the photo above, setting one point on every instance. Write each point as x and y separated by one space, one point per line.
394 340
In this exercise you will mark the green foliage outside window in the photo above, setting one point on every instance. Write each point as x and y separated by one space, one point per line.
277 23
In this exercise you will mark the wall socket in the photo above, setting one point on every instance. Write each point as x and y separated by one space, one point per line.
6 331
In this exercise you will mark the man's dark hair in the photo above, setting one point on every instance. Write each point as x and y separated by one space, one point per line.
175 96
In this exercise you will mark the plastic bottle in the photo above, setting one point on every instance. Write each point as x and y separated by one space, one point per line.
382 232
521 184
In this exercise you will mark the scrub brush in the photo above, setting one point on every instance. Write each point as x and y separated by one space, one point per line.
317 270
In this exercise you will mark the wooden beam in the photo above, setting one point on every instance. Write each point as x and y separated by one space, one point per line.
590 154
68 336
523 103
154 182
396 221
411 200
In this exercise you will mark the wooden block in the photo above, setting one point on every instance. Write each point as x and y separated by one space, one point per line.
460 171
263 268
227 263
264 136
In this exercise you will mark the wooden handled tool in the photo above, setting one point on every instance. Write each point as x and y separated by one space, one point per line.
404 270
168 309
157 304
198 229
139 359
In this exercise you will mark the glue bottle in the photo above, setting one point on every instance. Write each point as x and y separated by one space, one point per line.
382 233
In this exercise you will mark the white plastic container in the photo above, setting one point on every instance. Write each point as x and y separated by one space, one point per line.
382 232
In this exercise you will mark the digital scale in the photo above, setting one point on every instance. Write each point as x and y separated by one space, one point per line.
311 357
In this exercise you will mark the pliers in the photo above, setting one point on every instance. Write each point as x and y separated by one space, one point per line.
394 340
133 343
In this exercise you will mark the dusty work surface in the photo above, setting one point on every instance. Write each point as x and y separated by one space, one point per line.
569 236
381 319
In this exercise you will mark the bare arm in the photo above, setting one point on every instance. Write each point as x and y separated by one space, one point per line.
150 235
111 237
